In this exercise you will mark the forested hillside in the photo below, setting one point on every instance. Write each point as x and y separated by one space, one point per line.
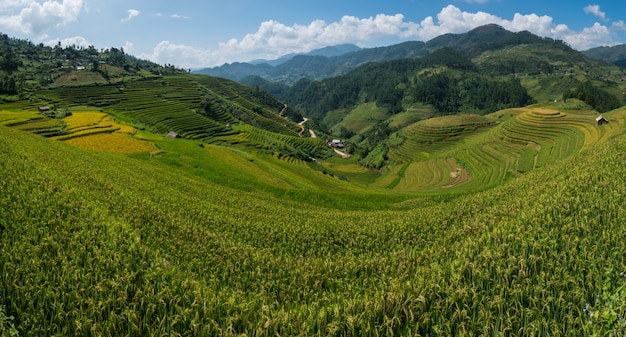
480 72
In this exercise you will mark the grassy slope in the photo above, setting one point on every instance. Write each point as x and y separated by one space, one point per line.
102 243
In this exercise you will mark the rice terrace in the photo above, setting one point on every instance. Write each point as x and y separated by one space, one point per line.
140 199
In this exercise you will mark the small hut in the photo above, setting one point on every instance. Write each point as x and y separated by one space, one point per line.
44 108
601 120
172 134
336 143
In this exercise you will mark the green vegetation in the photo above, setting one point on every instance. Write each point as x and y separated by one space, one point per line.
470 224
107 244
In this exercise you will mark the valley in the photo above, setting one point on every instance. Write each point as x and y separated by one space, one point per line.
471 200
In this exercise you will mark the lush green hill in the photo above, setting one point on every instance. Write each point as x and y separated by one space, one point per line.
480 72
143 95
614 54
97 243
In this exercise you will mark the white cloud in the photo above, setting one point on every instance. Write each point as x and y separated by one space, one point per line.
180 55
618 25
131 14
10 4
128 47
595 10
37 17
78 41
274 39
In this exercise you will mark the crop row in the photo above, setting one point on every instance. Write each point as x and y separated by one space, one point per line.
314 147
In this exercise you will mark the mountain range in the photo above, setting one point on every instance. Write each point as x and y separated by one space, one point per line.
338 60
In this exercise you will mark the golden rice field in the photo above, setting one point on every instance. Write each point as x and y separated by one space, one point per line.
96 131
10 117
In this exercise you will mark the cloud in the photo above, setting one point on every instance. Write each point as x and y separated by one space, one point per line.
274 39
131 14
128 47
78 41
10 4
180 55
37 17
595 10
173 16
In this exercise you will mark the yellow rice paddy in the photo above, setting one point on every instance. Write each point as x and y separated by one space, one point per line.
96 131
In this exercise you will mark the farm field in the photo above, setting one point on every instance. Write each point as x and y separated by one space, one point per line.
111 244
472 152
96 131
502 224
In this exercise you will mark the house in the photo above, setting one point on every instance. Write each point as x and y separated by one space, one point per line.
44 108
172 134
601 120
336 143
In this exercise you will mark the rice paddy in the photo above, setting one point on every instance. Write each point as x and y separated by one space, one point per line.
486 151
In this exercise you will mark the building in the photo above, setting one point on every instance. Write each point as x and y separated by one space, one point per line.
336 143
601 120
172 134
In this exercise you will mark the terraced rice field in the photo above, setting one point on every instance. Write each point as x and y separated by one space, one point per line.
266 140
485 153
96 131
32 122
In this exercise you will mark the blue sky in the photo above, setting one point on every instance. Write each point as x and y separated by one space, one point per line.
193 34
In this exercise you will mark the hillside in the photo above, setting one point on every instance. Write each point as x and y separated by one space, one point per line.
480 72
615 54
144 96
111 244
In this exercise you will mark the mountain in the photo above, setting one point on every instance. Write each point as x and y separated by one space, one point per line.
239 70
316 67
614 54
329 51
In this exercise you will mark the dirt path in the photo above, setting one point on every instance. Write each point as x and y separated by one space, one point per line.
280 113
342 154
301 124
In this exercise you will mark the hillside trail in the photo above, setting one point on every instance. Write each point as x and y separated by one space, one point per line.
342 154
280 113
313 135
301 125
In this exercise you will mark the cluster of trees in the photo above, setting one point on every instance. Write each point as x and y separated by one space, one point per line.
8 85
597 98
470 93
446 79
373 148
